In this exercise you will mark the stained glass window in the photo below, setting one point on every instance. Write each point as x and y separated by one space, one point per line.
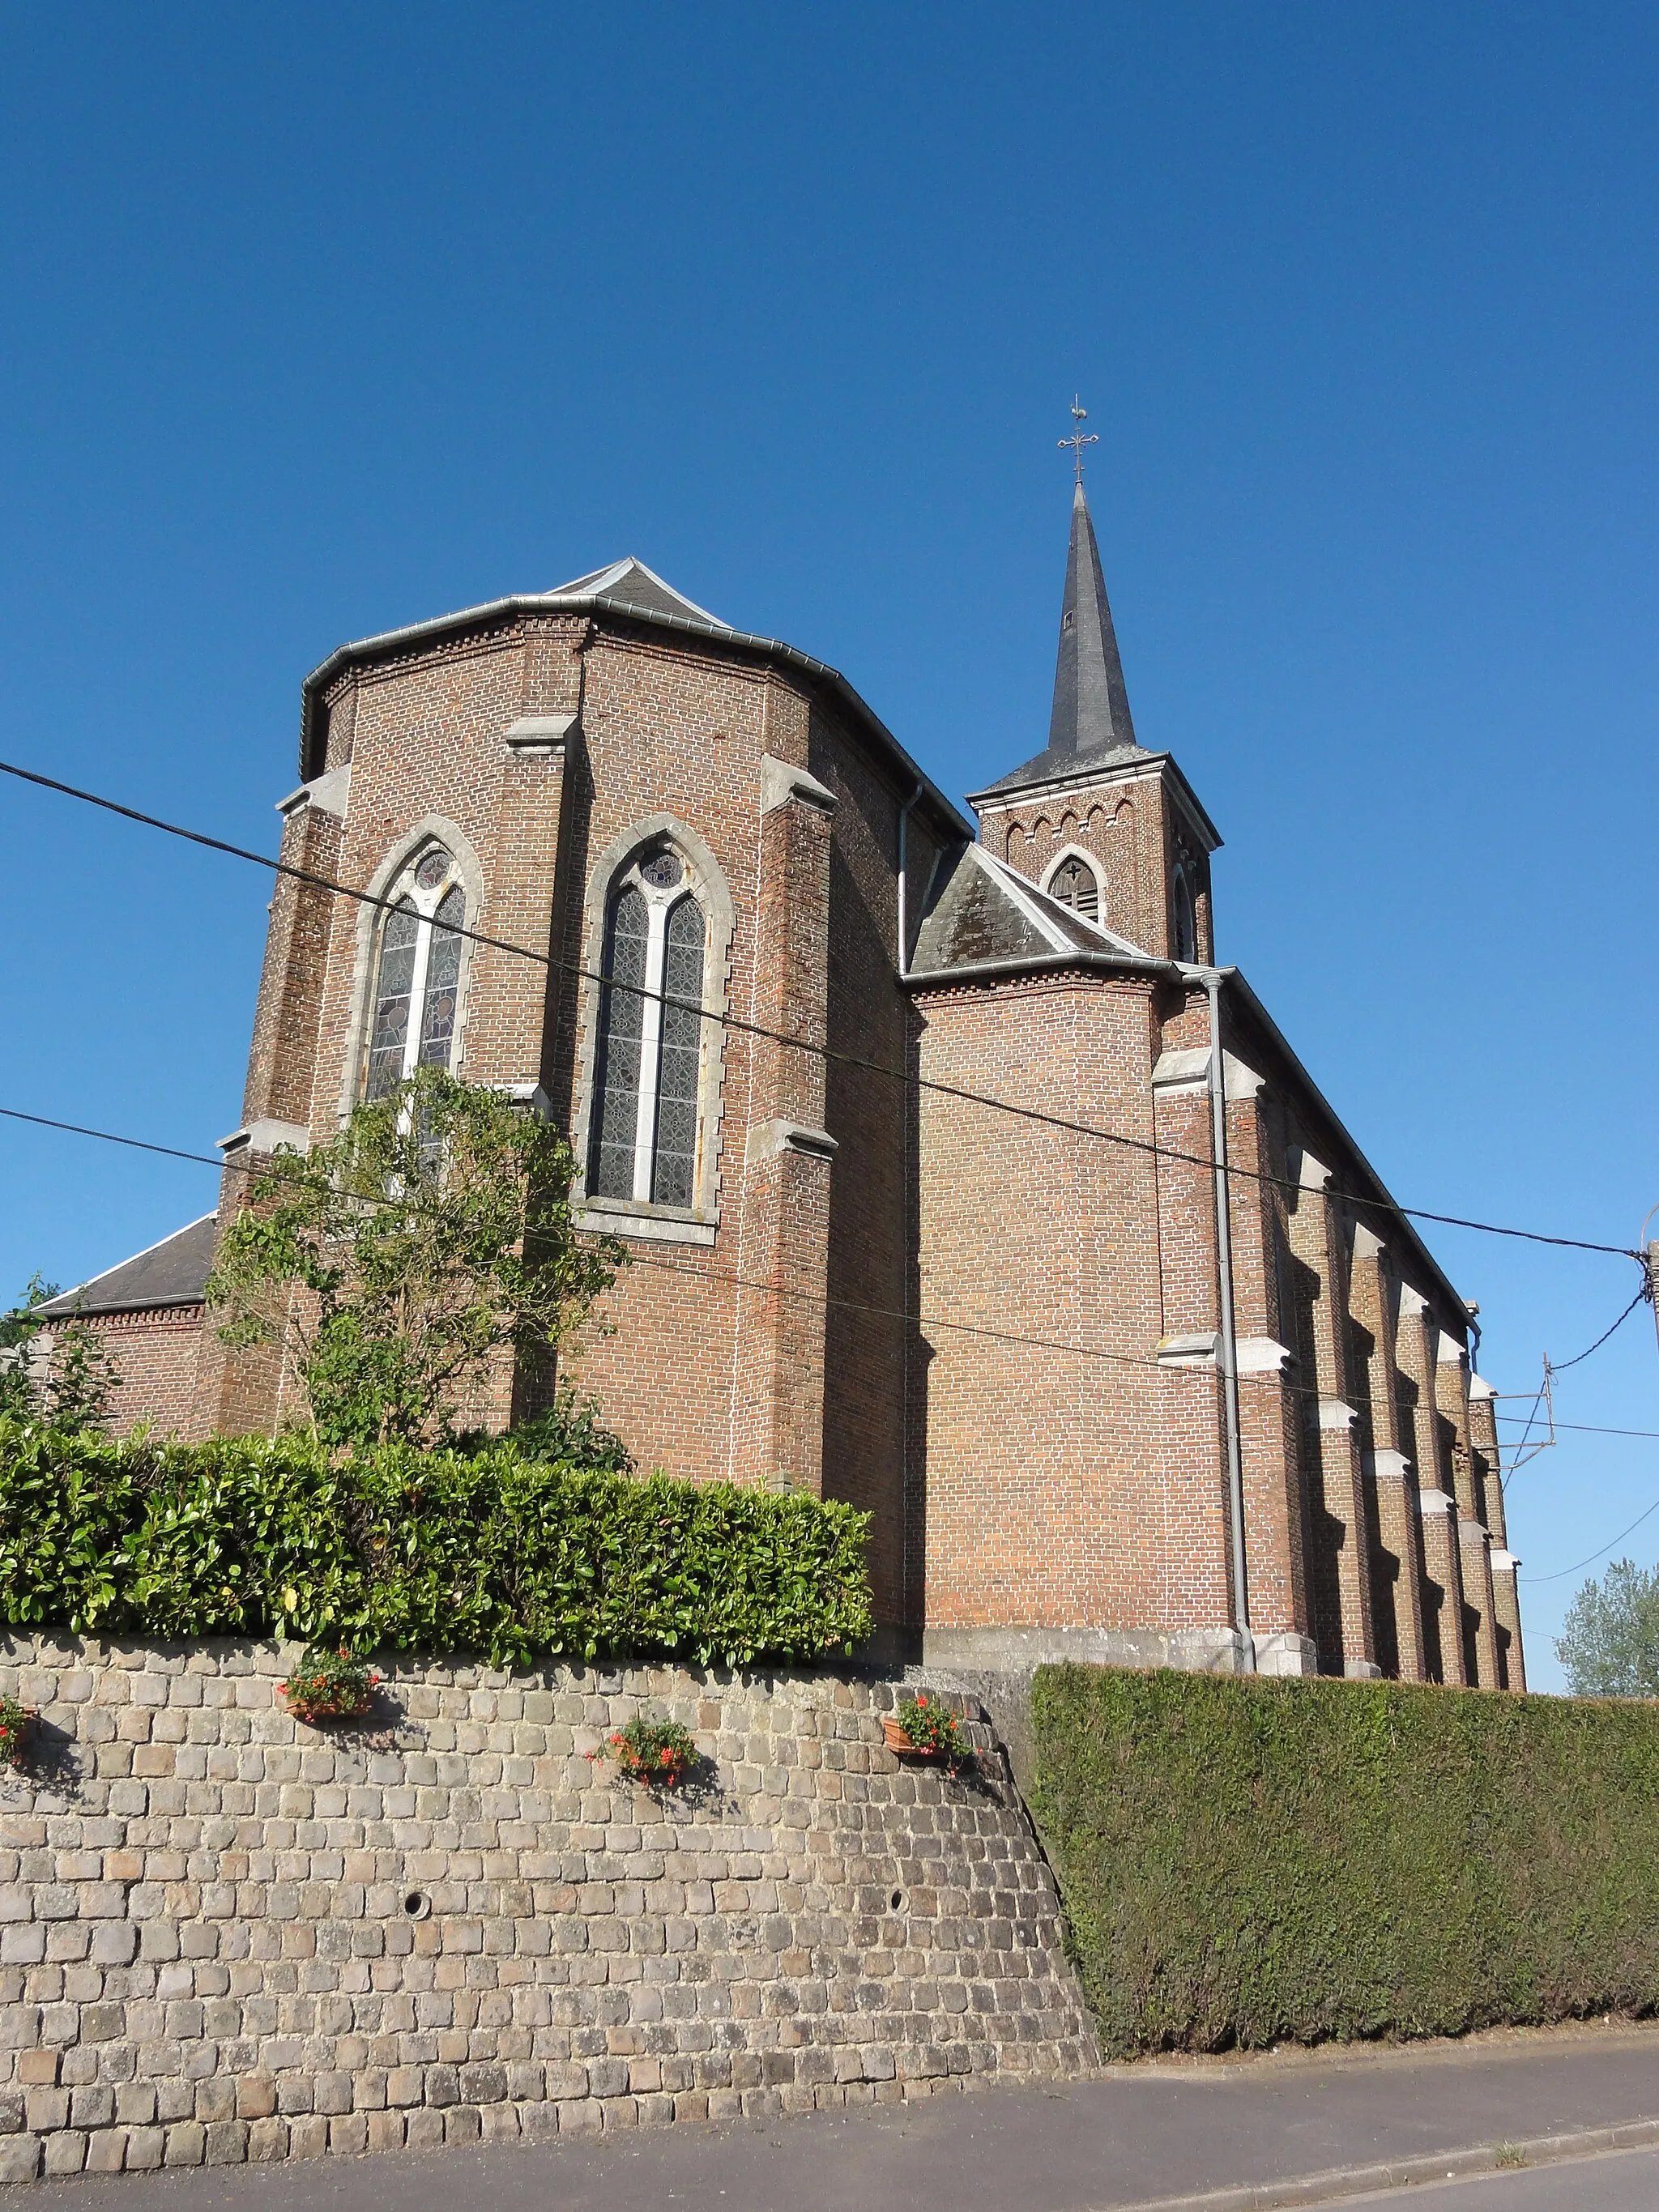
443 981
417 977
648 1069
622 1020
674 1169
393 988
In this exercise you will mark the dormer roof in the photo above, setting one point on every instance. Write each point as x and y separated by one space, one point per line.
629 587
979 909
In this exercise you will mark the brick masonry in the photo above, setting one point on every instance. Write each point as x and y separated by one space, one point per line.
227 1937
839 1308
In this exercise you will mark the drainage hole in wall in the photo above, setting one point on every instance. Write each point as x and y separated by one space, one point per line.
895 1902
416 1905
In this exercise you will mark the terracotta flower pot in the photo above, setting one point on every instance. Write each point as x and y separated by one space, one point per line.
898 1741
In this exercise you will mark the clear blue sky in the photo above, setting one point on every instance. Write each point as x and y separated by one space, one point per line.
318 320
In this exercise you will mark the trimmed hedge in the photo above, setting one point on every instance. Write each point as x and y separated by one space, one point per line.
1246 1862
486 1551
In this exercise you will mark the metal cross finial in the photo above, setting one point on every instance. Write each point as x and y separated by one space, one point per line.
1080 438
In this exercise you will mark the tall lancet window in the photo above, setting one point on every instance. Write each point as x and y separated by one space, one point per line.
417 974
1186 919
648 1078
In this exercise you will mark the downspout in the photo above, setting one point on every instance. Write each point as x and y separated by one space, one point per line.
1223 1243
906 1624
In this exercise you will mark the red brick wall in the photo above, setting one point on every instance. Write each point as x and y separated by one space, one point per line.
1010 1483
1063 1489
155 1354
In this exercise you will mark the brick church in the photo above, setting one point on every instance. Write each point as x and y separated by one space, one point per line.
1043 1246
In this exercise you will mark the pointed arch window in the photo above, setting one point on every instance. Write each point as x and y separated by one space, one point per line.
1075 884
646 1137
414 1015
1186 919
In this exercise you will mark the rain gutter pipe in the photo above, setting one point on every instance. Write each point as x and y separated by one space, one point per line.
1211 978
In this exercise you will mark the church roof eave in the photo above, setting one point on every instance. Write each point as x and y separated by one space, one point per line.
1076 770
1399 1227
171 1272
1083 957
600 603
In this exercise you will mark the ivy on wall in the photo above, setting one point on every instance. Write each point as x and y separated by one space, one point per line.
1245 1862
486 1551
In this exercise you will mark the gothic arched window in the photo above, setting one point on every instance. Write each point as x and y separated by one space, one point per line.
648 1075
1186 920
417 974
1075 883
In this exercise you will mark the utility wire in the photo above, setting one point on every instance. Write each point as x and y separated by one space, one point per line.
636 1260
1552 1369
1563 1572
1146 1145
1560 1367
1589 1429
273 1170
885 1313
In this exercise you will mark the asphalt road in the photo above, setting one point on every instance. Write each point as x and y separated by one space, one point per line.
1137 2135
1624 2181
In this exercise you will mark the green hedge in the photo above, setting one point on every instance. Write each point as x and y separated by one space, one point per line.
1247 1861
487 1551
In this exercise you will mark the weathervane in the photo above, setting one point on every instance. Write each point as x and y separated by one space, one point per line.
1080 438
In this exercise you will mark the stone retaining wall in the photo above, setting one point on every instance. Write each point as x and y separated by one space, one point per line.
225 1935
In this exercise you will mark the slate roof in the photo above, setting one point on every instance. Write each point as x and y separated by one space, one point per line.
1060 765
171 1273
629 583
1090 724
979 909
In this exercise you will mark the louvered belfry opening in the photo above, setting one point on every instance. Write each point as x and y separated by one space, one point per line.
1074 885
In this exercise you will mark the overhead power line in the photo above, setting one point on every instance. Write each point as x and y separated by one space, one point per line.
1142 1145
1645 1291
760 1286
638 1260
1590 1429
816 1295
821 1297
1561 1573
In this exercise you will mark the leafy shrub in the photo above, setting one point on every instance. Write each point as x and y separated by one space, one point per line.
330 1683
572 1433
1244 1861
483 1551
659 1754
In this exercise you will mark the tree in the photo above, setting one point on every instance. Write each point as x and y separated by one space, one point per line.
81 1381
19 1390
1610 1640
73 1387
392 1264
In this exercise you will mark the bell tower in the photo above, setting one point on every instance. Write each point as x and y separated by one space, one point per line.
1114 830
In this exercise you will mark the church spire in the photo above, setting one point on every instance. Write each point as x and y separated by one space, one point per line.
1091 705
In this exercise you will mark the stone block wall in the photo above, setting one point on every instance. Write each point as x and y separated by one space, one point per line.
225 1936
